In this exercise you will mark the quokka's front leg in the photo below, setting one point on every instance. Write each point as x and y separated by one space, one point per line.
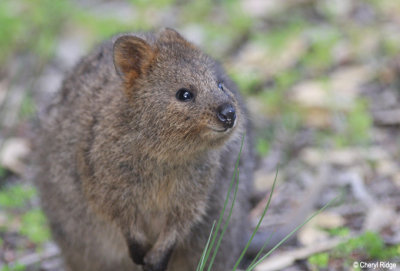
176 228
138 246
158 256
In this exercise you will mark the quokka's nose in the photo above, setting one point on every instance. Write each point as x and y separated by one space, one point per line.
227 115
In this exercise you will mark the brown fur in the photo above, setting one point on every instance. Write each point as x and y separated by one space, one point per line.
128 172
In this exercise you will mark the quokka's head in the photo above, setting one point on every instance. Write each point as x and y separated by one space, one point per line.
177 93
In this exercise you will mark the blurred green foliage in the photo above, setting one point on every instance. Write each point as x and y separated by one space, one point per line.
3 172
143 4
262 146
10 26
359 124
368 246
16 196
320 55
339 231
319 260
355 129
34 226
27 106
35 25
30 25
17 267
277 38
20 217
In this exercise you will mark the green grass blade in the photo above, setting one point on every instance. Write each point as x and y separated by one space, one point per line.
259 222
225 203
292 232
201 264
226 222
261 251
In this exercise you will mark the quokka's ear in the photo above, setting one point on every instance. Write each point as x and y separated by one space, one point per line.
132 57
170 35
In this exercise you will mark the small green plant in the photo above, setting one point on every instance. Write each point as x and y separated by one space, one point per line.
320 260
370 245
339 231
16 196
34 226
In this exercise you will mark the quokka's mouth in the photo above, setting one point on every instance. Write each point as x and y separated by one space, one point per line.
220 131
223 129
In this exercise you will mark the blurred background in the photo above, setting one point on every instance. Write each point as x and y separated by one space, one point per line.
322 82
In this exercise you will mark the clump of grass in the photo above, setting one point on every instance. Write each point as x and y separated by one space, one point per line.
258 261
210 245
256 229
217 225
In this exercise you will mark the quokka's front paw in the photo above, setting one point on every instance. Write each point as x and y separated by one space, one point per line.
137 252
157 260
161 266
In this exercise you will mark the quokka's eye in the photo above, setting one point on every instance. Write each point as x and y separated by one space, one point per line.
184 95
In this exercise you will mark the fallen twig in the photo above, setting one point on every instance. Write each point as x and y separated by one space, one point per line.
286 259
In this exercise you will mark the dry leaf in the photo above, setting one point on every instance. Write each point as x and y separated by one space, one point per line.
12 154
